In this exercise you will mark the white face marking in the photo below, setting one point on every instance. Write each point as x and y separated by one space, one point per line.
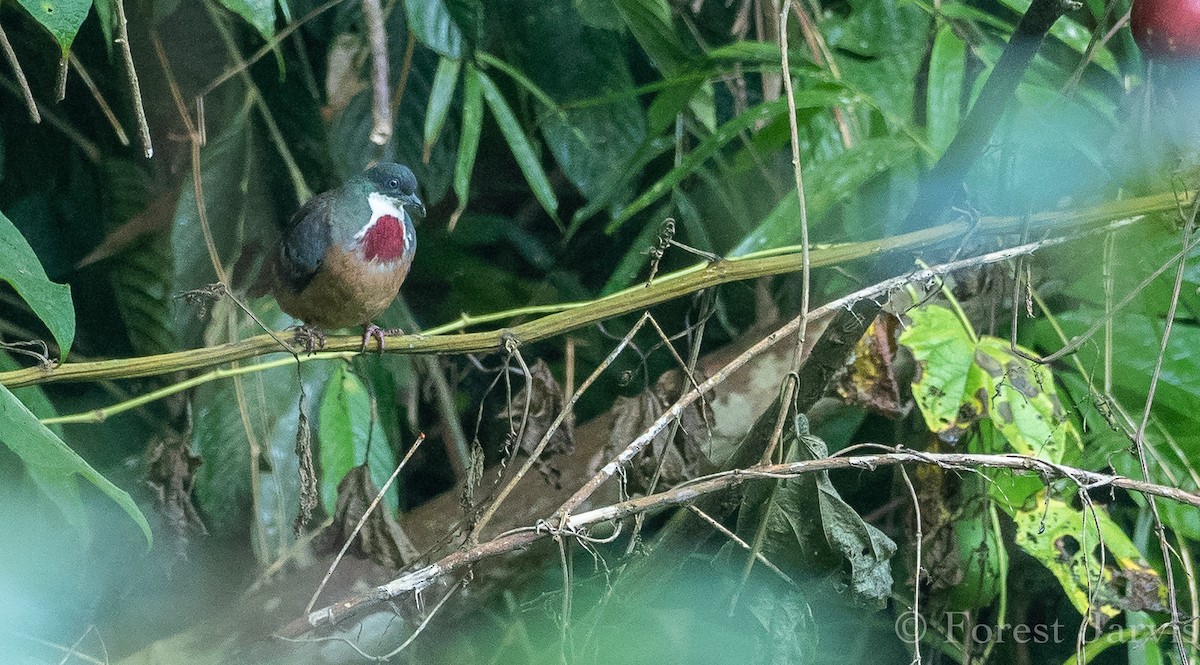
380 206
383 206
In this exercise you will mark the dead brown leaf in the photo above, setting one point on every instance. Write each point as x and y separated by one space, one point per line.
867 379
381 539
545 403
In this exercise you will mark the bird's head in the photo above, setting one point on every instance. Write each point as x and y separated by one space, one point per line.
396 182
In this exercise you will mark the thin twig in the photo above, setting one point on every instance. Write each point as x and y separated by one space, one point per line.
303 193
90 150
405 71
274 41
919 542
363 520
1080 339
381 129
22 82
740 543
425 622
567 409
415 581
135 88
798 169
873 292
100 101
60 81
1139 439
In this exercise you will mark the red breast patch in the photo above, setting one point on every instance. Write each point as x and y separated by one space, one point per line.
384 241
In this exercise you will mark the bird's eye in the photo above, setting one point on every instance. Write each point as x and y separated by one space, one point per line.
393 183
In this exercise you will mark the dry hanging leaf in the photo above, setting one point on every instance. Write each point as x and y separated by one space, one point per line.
681 459
381 539
545 403
309 493
171 473
867 379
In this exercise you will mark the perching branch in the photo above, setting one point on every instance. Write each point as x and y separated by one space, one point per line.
570 316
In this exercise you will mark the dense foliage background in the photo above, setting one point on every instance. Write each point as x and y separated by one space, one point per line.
551 140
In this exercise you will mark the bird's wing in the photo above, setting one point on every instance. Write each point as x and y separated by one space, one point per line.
303 247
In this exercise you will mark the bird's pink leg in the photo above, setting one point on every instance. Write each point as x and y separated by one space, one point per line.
309 337
372 331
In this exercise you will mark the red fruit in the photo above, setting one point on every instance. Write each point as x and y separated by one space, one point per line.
1167 28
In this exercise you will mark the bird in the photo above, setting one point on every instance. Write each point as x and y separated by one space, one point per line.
345 253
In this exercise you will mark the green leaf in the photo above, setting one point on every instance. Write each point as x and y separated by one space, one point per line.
141 277
826 183
1073 34
600 14
258 13
440 98
350 435
591 142
961 380
1023 403
521 148
706 149
106 11
472 125
61 18
980 563
236 489
947 64
652 26
1065 540
33 397
51 302
53 466
810 526
431 22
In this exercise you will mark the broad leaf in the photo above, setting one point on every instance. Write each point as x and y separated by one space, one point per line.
961 380
61 18
51 302
1066 542
258 13
351 435
947 65
811 528
53 466
431 22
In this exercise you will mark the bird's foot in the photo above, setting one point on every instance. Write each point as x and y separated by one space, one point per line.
309 337
372 331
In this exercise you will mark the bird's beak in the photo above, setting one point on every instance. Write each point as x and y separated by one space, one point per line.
413 203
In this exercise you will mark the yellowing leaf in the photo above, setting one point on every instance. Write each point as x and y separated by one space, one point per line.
1066 542
961 380
1022 402
944 351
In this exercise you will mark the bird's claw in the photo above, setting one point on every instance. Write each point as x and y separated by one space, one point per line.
310 338
372 331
